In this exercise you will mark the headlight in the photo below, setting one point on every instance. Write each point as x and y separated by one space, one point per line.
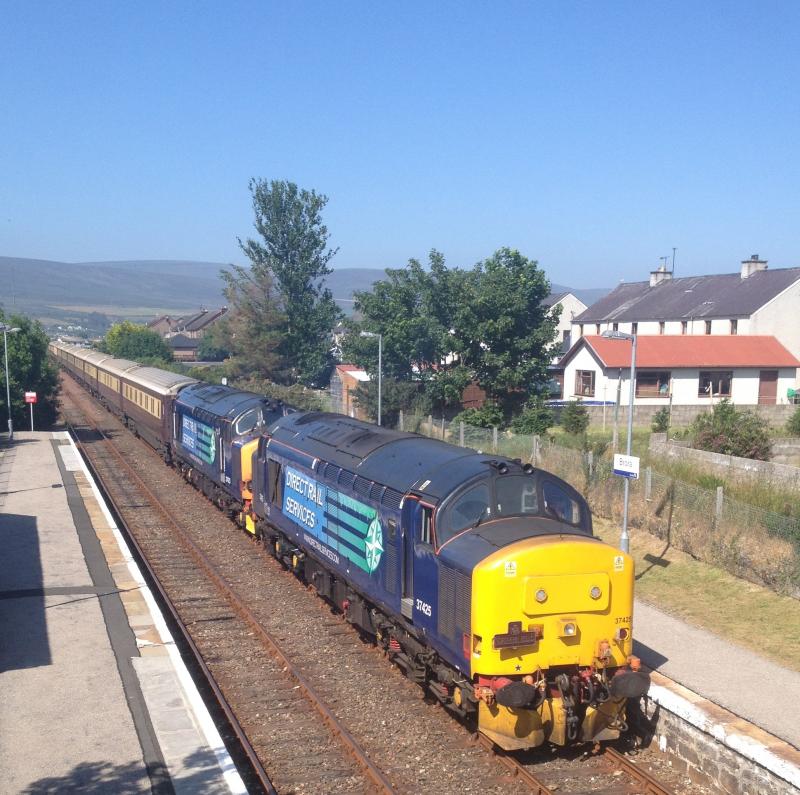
569 629
541 595
596 592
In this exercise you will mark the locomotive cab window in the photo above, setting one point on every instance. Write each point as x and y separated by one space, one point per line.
559 505
515 494
247 422
469 509
426 526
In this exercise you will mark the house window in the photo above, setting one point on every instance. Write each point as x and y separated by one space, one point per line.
580 329
596 328
565 338
634 328
615 327
584 383
715 383
652 383
661 326
684 326
708 326
734 326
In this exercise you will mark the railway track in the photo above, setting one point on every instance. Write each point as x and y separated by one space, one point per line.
281 695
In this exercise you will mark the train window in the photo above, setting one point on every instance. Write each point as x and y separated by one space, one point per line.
426 527
472 507
559 505
516 494
247 421
274 483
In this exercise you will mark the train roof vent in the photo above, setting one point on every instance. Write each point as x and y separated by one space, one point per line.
392 498
346 479
362 486
376 492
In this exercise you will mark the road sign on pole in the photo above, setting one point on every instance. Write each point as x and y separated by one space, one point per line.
30 397
627 466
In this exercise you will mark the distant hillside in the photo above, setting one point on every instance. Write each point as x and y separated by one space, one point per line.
61 291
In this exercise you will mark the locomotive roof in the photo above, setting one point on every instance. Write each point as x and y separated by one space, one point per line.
221 400
406 462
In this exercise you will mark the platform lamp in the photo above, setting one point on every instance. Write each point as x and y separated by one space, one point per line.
380 365
6 329
624 539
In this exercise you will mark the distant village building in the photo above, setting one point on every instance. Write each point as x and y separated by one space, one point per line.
192 326
344 381
732 335
184 349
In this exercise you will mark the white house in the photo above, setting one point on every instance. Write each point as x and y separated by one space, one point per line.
754 301
571 307
688 370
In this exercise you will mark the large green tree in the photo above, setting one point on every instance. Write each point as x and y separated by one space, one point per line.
138 343
29 370
504 334
293 249
414 310
447 327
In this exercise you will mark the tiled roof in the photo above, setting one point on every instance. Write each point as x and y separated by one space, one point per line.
689 351
724 295
182 341
553 299
203 319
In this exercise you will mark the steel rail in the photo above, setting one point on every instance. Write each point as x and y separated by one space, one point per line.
652 787
237 603
517 770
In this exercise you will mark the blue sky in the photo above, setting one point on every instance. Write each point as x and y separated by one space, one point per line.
593 137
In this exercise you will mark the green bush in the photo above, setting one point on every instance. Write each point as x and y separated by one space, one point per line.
575 418
793 426
487 416
660 422
533 419
732 431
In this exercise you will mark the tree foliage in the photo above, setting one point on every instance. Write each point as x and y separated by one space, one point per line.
128 340
283 290
535 418
29 370
396 396
446 328
660 423
504 334
732 431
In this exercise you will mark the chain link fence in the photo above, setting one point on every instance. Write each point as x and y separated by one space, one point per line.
755 544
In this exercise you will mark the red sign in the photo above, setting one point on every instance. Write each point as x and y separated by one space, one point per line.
30 397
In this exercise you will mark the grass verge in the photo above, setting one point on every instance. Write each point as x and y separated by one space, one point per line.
734 609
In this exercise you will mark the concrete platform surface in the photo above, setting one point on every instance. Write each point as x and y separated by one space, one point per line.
735 678
93 693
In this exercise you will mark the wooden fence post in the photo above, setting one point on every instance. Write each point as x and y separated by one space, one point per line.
401 420
718 508
648 483
494 439
460 434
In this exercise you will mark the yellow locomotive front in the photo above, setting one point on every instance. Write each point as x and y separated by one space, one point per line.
551 642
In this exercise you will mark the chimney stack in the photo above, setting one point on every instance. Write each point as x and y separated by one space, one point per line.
753 265
660 275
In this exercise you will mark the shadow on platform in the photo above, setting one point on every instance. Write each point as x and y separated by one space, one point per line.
650 657
25 642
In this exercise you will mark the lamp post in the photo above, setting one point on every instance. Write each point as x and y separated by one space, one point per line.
624 539
380 365
6 329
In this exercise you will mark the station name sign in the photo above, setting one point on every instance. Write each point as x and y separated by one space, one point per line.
627 466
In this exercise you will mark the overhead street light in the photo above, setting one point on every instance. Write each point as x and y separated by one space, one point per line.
380 365
624 539
6 329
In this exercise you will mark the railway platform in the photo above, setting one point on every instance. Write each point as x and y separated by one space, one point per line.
93 693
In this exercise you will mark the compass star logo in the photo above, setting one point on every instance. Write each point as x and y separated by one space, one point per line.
374 544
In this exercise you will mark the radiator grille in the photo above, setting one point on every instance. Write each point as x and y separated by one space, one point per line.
392 570
454 603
